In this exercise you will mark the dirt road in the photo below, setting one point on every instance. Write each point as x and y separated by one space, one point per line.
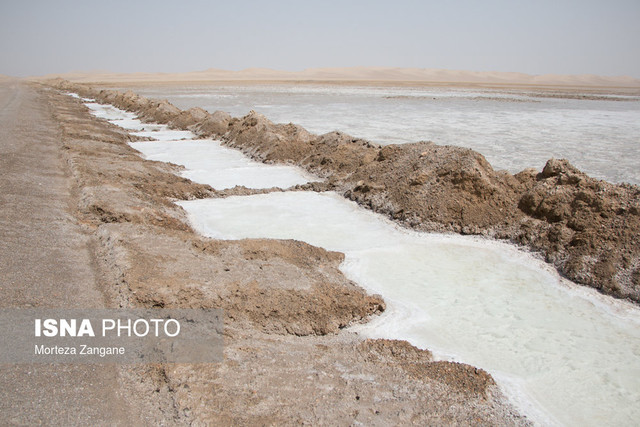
46 261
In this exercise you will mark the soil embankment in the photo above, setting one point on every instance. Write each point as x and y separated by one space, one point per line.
587 228
286 360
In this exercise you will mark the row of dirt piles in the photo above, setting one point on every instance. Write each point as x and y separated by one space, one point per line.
286 358
587 228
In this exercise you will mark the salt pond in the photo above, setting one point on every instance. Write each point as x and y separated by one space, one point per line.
514 129
563 353
207 162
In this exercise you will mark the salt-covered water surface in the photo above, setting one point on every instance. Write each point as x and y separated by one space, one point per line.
129 121
564 353
513 129
165 134
124 119
208 162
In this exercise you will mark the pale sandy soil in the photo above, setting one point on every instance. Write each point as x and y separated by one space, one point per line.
361 76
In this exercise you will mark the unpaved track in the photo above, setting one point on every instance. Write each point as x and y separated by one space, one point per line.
46 261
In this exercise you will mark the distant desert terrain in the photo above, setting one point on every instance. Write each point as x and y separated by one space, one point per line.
357 75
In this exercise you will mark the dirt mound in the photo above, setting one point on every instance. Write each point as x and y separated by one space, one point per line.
443 188
588 229
213 125
282 287
420 364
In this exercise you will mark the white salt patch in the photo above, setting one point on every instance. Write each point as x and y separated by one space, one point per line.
129 121
108 112
208 162
135 125
163 133
566 355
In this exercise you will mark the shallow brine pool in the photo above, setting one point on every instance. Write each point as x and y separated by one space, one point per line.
564 353
206 161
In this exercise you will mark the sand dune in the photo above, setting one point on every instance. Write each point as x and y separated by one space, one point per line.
357 75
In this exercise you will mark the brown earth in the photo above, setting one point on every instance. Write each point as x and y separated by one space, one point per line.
287 359
587 228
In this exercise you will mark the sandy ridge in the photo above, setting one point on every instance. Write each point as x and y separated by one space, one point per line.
358 75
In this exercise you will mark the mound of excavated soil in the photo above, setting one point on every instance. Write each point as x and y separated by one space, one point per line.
588 229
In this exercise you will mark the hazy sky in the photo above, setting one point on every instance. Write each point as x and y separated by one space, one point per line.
536 37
